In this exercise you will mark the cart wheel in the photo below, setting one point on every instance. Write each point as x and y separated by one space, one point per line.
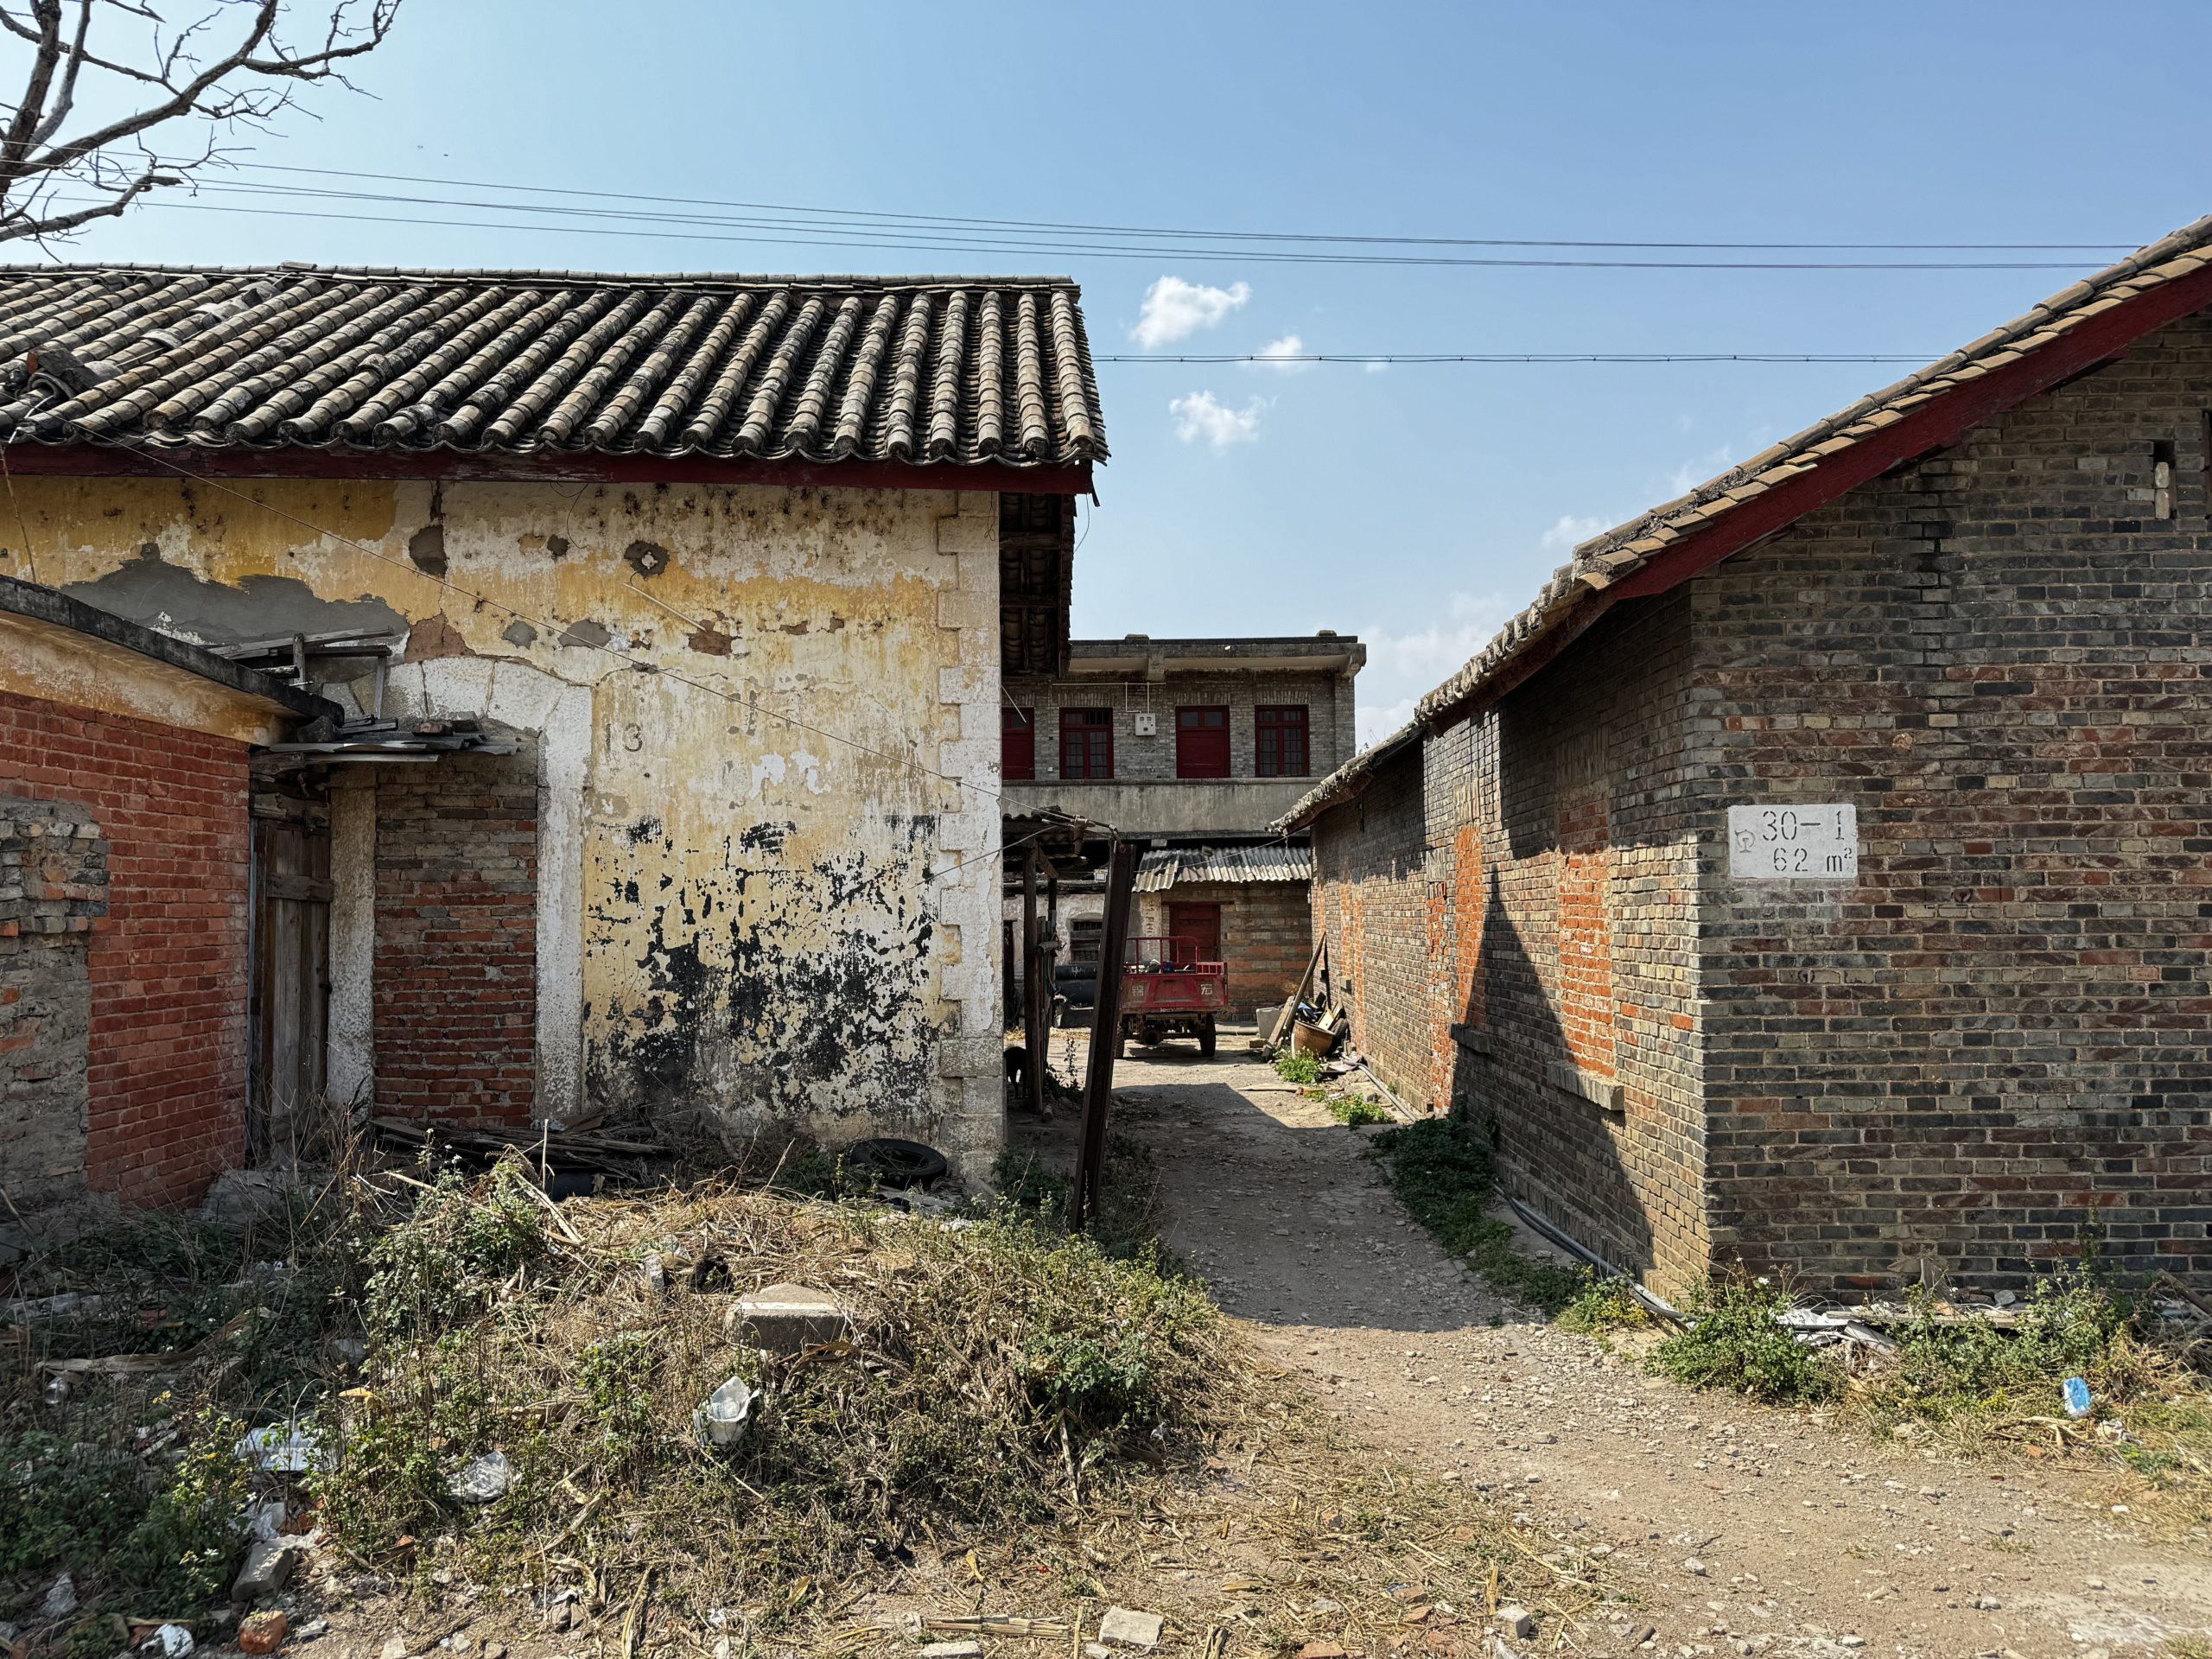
1205 1038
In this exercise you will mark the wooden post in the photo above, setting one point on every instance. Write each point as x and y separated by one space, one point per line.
1036 988
1105 1036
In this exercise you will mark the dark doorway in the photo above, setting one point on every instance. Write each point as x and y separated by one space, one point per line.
1194 931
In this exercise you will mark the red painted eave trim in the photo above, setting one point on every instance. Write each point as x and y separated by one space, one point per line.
1939 422
99 461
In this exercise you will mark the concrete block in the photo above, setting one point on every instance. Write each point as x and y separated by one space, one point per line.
1124 1628
267 1569
788 1319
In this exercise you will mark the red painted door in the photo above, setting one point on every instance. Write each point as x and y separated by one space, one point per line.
1201 741
1196 931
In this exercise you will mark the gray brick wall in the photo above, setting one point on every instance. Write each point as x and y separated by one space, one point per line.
1327 698
52 888
1998 655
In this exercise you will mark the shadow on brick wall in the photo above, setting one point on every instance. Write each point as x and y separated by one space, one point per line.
1558 1151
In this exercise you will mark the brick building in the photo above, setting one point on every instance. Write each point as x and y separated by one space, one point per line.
1818 874
1192 748
124 904
723 572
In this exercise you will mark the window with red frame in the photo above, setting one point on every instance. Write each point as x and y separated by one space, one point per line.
1201 741
1086 742
1279 747
1018 742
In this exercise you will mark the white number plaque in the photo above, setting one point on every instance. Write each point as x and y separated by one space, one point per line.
1793 843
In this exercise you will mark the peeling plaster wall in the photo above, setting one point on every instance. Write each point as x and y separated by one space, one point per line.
740 921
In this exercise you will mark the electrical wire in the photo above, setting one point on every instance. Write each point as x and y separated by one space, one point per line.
1061 251
1056 225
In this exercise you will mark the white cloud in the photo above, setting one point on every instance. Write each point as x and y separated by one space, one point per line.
1402 668
1280 356
1378 368
1174 309
1202 414
1571 532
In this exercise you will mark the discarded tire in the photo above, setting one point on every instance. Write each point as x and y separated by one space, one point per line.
897 1163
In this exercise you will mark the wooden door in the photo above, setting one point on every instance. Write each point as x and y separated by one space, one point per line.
1196 932
291 966
1201 741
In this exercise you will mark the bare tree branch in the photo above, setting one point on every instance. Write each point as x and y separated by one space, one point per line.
160 74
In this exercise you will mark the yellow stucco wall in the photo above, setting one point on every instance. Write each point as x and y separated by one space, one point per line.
761 939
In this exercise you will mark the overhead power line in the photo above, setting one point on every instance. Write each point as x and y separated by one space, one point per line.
1212 235
673 227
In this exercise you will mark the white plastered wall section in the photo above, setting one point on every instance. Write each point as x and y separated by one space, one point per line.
559 715
971 1074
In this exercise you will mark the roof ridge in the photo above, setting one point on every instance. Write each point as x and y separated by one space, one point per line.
1604 560
2196 234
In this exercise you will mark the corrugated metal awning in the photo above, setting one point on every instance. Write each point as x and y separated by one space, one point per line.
1174 866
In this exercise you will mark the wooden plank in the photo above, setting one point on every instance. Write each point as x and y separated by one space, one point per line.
1290 1008
1105 1037
287 888
1035 991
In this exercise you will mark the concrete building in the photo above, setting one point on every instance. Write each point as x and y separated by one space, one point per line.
726 570
1193 748
1815 874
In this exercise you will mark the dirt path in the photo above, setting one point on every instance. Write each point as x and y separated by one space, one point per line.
1745 1529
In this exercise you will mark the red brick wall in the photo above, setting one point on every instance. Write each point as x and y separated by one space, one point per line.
166 1057
1370 898
456 951
1537 856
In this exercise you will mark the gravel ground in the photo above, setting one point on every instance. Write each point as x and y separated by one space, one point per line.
1746 1529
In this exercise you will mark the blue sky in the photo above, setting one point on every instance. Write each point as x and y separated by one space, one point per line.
1418 505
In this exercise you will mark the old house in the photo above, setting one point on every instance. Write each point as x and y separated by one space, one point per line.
1816 874
1192 748
717 575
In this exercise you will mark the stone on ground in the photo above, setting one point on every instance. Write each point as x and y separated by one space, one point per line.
1123 1628
788 1319
268 1565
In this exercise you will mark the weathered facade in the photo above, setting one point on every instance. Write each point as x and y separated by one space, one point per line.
718 562
1972 609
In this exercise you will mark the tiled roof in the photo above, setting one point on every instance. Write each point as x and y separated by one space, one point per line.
1607 560
927 369
1604 560
1351 776
1159 871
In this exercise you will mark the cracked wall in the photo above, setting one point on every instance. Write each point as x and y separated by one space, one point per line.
782 919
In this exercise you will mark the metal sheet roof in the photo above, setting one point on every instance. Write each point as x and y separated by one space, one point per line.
1174 866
